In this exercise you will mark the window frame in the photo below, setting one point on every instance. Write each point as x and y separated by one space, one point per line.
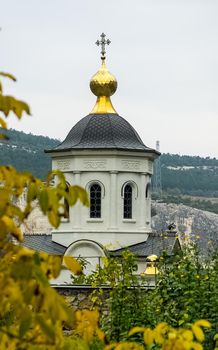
128 201
97 213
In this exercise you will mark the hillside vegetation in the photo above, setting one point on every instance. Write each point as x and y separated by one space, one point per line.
26 152
189 175
181 175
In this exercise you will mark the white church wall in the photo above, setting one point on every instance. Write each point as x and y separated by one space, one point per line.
112 170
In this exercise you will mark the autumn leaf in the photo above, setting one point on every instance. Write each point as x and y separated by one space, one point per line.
198 333
43 200
136 330
3 123
54 218
148 336
73 265
8 75
203 323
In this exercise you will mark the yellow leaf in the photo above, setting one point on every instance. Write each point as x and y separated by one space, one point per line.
203 323
100 334
47 329
53 218
148 336
198 333
8 75
73 265
196 346
188 335
172 335
129 346
10 104
82 194
32 192
159 330
43 201
4 137
110 346
17 233
135 330
3 123
25 252
12 228
72 195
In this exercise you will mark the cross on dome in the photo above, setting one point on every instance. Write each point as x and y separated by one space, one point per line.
103 84
102 43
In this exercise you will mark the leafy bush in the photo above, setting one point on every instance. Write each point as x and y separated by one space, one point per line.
186 291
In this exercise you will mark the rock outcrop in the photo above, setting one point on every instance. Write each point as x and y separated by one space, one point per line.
191 223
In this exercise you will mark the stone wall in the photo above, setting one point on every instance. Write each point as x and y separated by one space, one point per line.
78 297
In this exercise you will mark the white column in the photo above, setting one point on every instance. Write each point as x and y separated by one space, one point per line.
142 201
113 200
76 209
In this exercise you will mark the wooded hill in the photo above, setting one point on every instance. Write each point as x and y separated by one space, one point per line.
189 175
181 175
26 152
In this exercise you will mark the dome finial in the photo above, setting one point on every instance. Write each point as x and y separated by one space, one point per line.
102 43
103 84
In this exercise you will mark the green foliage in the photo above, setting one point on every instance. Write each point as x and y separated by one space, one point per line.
186 291
26 152
199 179
128 302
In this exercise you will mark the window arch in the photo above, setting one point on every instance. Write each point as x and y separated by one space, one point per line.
127 202
134 189
95 200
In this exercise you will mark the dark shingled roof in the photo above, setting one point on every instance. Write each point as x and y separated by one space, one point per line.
155 245
43 243
103 131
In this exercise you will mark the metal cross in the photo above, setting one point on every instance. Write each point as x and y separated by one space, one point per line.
102 43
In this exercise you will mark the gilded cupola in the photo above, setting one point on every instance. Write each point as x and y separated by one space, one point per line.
103 84
103 127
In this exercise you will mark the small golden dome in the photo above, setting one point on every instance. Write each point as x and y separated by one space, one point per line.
103 83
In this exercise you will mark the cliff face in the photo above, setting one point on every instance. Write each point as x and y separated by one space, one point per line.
191 223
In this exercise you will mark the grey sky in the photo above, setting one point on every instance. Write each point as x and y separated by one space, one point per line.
164 54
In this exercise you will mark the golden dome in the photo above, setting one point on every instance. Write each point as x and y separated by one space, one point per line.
103 84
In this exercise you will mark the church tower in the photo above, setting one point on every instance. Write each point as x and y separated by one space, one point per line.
104 154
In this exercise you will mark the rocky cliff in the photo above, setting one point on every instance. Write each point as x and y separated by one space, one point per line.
191 223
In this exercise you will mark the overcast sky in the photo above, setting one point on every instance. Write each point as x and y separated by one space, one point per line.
164 54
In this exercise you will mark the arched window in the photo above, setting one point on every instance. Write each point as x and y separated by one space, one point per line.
127 202
95 201
148 190
66 211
